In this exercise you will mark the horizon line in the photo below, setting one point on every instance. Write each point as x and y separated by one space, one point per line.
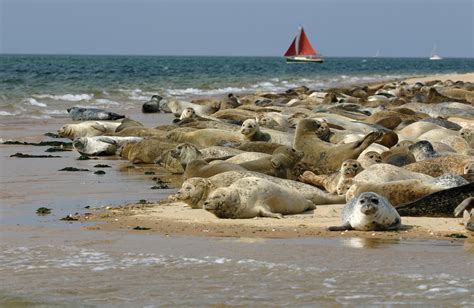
230 56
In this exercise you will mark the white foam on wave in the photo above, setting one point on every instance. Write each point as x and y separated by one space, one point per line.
6 113
34 102
41 117
104 101
68 97
55 111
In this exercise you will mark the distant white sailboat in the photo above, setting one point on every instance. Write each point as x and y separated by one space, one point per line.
434 56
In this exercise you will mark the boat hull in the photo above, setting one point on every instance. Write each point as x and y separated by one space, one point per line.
303 60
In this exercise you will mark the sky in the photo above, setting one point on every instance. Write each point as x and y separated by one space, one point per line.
398 28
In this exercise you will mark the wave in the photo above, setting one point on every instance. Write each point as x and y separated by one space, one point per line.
6 113
68 97
34 102
104 101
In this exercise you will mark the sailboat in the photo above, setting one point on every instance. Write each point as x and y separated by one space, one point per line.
301 51
434 56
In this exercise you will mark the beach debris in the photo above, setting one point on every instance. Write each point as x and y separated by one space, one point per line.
58 149
149 172
160 184
99 172
43 211
102 166
83 157
141 228
456 235
73 169
142 201
52 135
41 144
21 155
70 217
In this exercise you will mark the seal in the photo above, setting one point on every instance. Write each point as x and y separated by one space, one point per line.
138 131
279 164
251 131
370 158
145 151
423 150
204 137
398 192
88 129
467 208
437 166
324 156
153 105
368 212
88 114
273 120
438 204
467 135
202 169
194 191
336 182
386 173
101 145
177 107
253 197
126 123
259 146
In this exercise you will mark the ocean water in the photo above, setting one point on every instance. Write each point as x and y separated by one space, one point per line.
44 86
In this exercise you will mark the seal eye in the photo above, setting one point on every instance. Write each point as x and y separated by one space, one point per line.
362 201
374 201
354 165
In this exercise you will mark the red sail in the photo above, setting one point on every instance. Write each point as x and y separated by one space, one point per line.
305 48
292 49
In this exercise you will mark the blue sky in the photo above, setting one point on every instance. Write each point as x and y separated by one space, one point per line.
237 27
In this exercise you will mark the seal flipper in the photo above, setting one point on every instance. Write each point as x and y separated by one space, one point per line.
344 227
266 213
467 205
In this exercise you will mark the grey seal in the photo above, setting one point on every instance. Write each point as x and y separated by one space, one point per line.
153 105
85 114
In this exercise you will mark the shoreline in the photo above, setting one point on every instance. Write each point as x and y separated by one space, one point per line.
175 218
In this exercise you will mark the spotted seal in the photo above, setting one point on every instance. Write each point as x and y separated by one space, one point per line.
153 105
368 211
438 204
101 145
252 197
87 129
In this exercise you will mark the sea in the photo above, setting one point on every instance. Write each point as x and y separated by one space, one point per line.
43 86
46 262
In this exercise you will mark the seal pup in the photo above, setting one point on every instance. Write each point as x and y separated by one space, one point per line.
101 145
324 156
335 182
368 212
253 197
438 204
467 208
153 105
88 114
87 129
273 120
194 191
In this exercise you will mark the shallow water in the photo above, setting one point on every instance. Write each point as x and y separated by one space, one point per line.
116 269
